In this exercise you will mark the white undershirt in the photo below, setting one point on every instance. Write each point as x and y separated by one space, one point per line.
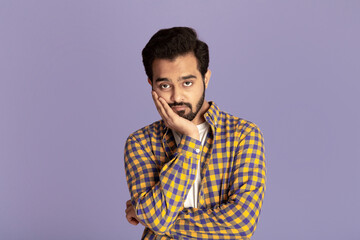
192 197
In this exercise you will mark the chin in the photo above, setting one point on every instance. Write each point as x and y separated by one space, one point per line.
181 113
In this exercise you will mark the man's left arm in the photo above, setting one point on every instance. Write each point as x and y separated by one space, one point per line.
237 218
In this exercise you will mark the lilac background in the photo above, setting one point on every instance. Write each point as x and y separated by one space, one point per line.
72 88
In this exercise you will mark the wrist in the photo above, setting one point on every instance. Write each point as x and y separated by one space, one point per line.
193 134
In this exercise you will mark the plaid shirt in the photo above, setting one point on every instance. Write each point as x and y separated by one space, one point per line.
160 174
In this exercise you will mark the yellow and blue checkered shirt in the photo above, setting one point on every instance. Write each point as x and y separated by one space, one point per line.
160 173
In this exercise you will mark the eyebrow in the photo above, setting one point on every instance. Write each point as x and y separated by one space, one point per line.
162 80
187 77
181 78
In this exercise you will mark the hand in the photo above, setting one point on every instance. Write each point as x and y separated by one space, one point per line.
130 214
174 121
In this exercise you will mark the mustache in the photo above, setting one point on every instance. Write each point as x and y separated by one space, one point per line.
180 104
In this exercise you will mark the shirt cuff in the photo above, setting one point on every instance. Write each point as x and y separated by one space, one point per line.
189 147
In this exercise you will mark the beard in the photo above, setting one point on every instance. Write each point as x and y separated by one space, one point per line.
192 114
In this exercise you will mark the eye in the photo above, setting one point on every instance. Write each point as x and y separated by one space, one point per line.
164 86
188 84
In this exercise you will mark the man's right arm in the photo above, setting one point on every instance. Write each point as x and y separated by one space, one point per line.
158 195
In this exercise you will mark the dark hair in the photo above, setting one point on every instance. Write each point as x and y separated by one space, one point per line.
173 42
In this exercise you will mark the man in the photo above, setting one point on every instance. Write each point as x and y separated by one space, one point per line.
199 172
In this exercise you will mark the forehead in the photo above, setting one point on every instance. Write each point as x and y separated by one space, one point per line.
181 65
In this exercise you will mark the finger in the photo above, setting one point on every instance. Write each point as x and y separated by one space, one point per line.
131 216
128 203
155 97
159 106
133 221
168 110
128 210
156 102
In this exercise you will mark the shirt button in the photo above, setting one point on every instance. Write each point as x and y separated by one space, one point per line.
197 150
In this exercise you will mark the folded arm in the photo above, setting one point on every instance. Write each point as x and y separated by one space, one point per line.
158 195
237 218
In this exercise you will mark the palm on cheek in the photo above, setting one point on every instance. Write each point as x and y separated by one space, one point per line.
172 120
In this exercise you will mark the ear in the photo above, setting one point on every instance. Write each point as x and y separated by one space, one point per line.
207 77
149 81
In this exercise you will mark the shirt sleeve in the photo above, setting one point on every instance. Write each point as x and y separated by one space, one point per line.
237 218
158 194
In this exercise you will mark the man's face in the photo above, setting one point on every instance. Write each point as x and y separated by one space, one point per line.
180 83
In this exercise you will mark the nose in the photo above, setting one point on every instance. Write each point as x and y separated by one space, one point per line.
177 95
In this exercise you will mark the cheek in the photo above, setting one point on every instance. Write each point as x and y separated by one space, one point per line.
164 95
197 93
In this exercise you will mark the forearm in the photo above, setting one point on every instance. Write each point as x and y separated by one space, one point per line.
158 198
236 219
159 207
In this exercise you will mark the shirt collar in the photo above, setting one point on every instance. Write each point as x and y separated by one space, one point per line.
212 115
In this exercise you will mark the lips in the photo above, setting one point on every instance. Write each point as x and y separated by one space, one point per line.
179 108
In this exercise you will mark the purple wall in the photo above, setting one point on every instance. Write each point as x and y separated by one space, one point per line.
72 88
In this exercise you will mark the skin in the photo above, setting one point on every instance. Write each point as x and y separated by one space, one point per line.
176 81
130 214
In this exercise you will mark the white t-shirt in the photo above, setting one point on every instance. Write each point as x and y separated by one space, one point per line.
192 198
